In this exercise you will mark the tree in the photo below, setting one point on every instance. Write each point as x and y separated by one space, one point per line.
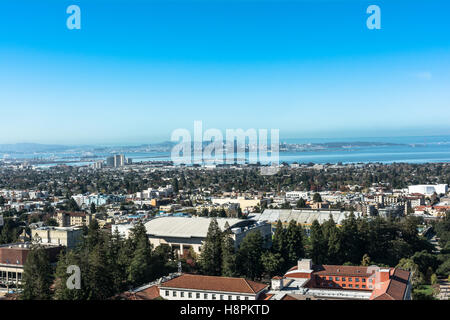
140 267
350 240
139 270
409 265
9 232
228 255
301 203
248 257
175 186
279 240
37 275
93 208
72 205
211 255
62 292
52 222
317 197
272 263
434 279
294 242
319 246
366 260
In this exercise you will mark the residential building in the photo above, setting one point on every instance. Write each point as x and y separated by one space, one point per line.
68 219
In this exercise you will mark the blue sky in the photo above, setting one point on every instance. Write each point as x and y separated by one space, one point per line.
137 70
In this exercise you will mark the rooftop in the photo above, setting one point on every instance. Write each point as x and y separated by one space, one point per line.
184 227
213 283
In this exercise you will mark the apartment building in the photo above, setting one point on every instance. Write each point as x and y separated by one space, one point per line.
68 219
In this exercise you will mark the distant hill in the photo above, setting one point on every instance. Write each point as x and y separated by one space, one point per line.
31 147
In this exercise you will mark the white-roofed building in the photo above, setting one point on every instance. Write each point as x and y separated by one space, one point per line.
183 233
428 189
303 217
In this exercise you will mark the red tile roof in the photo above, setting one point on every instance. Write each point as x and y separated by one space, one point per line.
146 294
213 283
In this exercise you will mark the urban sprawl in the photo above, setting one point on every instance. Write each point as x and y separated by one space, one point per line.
153 230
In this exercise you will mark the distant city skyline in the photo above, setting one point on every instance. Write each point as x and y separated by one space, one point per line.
137 70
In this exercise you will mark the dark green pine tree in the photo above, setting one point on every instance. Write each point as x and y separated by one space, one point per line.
98 278
228 254
319 246
93 236
117 261
272 263
140 267
211 255
279 240
301 203
350 240
62 292
248 259
37 276
175 185
294 243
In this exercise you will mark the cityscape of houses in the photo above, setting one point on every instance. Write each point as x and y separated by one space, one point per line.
181 219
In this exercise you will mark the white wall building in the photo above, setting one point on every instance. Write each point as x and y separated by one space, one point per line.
428 189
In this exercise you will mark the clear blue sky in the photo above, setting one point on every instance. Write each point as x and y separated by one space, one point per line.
139 69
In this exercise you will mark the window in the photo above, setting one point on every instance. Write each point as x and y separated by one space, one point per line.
230 297
330 278
213 296
363 279
167 293
363 286
221 297
205 296
350 279
174 293
370 280
357 279
190 295
344 285
246 298
197 295
350 286
343 278
357 286
337 278
238 298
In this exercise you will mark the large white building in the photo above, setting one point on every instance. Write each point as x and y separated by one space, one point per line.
428 189
184 233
